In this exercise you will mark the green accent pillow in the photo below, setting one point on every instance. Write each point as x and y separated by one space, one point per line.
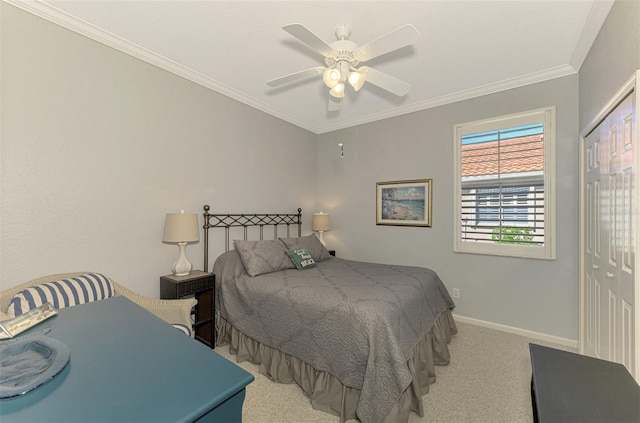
301 258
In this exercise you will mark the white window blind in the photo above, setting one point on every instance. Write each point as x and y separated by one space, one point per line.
503 181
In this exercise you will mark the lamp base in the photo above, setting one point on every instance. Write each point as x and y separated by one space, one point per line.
182 266
321 238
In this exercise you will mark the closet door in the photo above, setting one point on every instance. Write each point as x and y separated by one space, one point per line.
609 178
626 214
593 248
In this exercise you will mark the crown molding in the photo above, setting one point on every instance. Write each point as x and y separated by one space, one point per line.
46 11
504 85
72 23
595 19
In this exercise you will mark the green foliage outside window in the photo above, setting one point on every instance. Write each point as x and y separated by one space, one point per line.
512 235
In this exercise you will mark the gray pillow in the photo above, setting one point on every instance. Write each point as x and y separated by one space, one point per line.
261 257
311 243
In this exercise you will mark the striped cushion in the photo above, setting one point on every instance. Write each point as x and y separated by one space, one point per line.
63 293
182 328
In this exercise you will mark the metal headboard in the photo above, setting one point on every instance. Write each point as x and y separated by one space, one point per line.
245 221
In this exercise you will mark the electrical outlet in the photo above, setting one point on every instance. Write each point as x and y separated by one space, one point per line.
456 293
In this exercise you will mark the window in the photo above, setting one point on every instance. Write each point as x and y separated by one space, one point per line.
504 190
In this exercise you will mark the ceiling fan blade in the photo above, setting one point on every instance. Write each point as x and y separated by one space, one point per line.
307 73
386 81
335 104
401 37
309 38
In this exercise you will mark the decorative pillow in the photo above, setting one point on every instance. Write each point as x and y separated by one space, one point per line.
63 293
261 257
301 258
311 243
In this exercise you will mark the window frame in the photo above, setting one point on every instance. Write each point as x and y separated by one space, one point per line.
547 116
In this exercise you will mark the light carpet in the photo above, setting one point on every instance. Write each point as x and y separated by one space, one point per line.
488 380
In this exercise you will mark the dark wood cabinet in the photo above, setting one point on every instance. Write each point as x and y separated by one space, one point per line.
201 285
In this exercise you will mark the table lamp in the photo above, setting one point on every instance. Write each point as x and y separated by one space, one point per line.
181 228
321 223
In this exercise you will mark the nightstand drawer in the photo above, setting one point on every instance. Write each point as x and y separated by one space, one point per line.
173 287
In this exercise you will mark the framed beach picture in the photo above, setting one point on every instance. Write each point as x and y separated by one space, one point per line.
404 203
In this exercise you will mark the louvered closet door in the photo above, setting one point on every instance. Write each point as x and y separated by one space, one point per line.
609 308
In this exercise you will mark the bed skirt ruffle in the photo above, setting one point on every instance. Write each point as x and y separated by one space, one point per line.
325 391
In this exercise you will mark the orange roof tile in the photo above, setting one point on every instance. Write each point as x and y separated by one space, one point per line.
524 154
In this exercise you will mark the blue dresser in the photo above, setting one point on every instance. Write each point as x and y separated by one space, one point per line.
127 365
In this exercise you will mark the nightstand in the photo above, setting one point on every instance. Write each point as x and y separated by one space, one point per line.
201 285
332 253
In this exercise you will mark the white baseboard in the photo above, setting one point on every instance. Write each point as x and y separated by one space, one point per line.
571 343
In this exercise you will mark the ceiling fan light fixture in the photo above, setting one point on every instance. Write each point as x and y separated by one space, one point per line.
356 79
331 77
338 90
342 57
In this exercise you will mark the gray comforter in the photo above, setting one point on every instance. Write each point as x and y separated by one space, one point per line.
357 321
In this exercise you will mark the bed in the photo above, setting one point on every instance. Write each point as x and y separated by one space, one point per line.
360 339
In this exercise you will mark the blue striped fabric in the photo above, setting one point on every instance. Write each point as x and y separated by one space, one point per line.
62 293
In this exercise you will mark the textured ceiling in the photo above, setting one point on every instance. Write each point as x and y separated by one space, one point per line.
467 48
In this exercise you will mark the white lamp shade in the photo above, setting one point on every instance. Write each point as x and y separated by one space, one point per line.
181 227
321 222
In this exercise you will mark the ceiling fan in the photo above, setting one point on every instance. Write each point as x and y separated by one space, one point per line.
342 58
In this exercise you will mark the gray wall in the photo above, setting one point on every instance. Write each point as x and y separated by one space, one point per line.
537 295
97 146
613 58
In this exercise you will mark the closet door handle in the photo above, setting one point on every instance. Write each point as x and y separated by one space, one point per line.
596 267
610 275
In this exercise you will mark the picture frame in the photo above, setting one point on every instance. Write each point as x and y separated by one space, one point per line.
404 203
